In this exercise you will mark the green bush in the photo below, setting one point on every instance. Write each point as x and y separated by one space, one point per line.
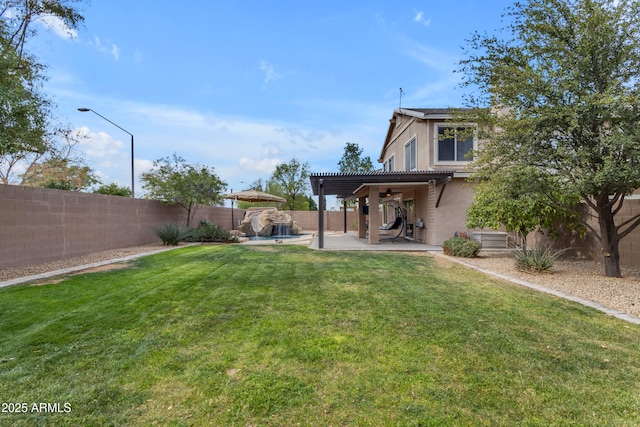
461 247
208 232
536 260
171 233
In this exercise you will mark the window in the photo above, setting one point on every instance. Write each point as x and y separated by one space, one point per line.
410 155
389 165
454 143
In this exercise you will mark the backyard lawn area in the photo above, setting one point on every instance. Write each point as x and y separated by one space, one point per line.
232 335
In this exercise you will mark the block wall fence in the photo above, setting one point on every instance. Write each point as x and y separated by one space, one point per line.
40 225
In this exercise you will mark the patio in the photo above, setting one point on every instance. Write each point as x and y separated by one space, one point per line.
351 242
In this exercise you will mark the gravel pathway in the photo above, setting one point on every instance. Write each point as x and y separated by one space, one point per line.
10 273
581 278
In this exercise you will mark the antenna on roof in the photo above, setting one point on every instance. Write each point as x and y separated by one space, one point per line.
400 103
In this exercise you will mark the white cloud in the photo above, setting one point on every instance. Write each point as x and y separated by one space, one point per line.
438 60
420 19
107 48
269 71
58 27
261 166
239 148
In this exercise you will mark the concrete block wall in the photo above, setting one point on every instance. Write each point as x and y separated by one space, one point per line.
40 225
333 220
587 246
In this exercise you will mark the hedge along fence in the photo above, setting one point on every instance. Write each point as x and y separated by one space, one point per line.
40 225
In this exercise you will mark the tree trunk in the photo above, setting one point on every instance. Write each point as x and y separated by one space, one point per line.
609 237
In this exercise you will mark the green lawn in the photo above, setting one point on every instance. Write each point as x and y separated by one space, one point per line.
283 335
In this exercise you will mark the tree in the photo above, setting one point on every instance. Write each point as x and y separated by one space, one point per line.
17 17
172 180
291 181
25 167
25 113
561 93
352 160
61 175
113 189
517 199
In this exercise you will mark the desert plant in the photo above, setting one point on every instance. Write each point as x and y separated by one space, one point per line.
171 233
461 247
536 260
208 232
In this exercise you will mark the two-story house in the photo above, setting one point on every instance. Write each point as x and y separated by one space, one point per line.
425 158
425 139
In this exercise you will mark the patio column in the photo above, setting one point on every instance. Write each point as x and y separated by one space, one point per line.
320 214
344 213
362 218
374 214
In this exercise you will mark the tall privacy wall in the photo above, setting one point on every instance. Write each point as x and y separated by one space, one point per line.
40 225
587 246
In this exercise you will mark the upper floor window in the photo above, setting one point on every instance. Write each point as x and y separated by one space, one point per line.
389 165
454 143
410 155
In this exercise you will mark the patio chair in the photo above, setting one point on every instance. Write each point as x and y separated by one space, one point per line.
397 224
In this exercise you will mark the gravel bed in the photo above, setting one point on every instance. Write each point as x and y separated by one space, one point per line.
33 269
577 277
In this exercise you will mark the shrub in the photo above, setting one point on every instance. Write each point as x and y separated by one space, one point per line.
171 233
208 232
461 247
536 260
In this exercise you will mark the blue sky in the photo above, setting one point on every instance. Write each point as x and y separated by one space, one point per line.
244 86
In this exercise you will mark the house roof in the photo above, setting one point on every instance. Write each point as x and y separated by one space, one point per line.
344 185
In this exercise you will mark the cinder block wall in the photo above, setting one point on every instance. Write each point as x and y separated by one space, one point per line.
40 225
587 246
333 220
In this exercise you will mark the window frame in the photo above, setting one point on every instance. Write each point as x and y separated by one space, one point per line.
391 161
436 153
407 162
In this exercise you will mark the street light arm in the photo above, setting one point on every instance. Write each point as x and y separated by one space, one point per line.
84 110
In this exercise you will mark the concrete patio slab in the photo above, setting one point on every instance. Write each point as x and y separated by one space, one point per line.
350 242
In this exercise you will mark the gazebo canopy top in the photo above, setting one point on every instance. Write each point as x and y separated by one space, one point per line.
344 185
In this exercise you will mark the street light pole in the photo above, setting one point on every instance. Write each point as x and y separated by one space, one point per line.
84 110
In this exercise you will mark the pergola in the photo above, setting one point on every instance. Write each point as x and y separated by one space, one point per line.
370 185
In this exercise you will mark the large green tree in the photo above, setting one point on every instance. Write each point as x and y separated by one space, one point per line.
559 91
27 131
518 199
291 181
174 181
352 160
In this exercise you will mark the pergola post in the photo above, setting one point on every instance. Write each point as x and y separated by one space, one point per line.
344 211
374 214
320 214
362 218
